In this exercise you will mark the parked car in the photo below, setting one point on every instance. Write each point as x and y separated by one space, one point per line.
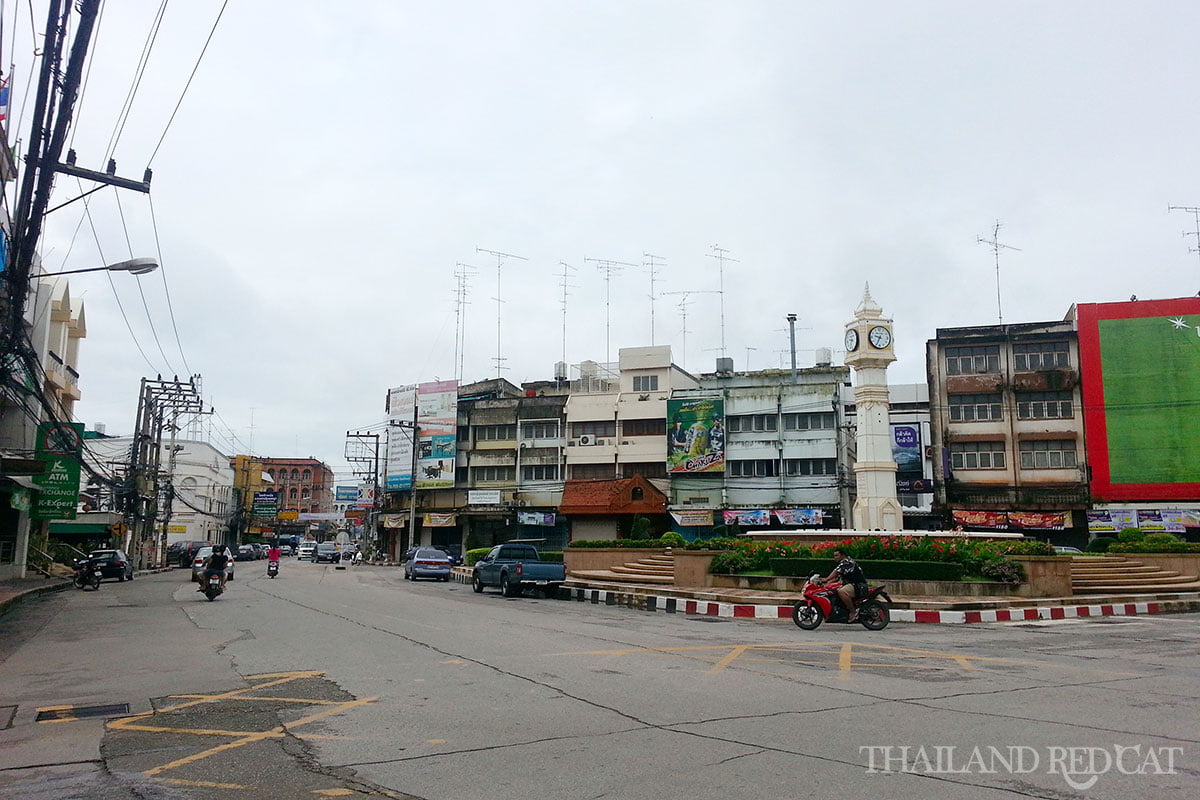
244 552
326 551
454 552
113 564
1067 551
198 564
285 549
427 562
259 550
182 553
514 568
306 549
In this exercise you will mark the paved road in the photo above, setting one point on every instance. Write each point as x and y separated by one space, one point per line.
328 683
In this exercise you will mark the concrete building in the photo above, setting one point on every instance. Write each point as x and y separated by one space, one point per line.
1007 426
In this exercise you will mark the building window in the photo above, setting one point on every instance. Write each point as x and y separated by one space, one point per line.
1050 454
539 472
977 455
645 383
495 433
539 430
809 466
809 422
643 427
753 423
271 473
636 493
974 407
760 468
972 360
1041 355
484 474
307 475
602 428
585 472
293 494
295 475
1045 405
647 469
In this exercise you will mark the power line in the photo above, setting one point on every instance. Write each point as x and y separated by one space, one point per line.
166 288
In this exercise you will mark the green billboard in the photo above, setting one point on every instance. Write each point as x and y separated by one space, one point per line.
59 446
695 435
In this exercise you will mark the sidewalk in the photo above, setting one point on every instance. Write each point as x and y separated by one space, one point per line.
15 590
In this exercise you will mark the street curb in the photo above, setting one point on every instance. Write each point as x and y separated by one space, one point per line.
8 602
764 611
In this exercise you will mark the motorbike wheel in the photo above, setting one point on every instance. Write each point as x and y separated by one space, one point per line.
79 582
95 582
807 617
873 616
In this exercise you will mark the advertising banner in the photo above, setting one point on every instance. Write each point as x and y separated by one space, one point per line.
401 407
798 516
345 494
1100 522
1177 521
364 495
907 452
1150 520
438 520
695 435
59 446
981 519
1054 521
915 485
437 434
542 519
394 520
693 519
750 517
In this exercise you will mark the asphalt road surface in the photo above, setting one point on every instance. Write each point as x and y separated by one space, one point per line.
353 682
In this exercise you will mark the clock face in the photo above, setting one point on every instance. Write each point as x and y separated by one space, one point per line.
879 337
851 341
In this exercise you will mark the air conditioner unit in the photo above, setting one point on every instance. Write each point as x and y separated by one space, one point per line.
587 439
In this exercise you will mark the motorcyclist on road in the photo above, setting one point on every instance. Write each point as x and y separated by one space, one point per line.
854 582
214 567
273 553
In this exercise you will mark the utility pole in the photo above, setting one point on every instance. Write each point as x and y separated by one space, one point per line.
996 246
791 318
363 448
499 263
609 268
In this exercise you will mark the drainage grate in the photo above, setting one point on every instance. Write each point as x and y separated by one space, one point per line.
66 713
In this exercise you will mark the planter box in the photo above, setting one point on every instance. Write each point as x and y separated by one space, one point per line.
1045 576
691 567
896 588
588 558
1183 563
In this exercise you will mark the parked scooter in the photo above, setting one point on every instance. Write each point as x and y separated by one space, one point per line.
272 569
87 573
821 604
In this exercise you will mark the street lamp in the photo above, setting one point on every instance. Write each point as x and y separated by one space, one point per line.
137 266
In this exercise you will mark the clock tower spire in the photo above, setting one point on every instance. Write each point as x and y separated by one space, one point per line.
869 351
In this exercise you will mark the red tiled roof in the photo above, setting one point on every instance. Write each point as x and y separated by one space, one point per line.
612 497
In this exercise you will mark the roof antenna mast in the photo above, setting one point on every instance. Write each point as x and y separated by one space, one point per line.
996 246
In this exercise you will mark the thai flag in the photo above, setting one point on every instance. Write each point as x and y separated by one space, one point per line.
4 100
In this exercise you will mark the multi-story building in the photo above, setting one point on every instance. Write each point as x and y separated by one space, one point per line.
786 451
304 485
1007 425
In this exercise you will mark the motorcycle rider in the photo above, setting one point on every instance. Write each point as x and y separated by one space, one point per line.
214 566
273 553
854 582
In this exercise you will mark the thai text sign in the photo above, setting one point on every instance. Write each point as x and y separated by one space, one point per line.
59 445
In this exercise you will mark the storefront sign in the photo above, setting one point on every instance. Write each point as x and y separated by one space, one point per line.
543 519
981 519
265 504
438 520
483 497
59 445
394 520
693 519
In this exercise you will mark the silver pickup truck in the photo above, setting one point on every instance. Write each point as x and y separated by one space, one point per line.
516 567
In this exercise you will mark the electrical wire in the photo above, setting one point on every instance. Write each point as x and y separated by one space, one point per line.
139 73
166 288
142 292
189 82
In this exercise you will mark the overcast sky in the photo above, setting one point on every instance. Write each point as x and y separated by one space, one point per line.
328 168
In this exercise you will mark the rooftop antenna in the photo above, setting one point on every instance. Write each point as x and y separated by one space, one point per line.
719 253
682 305
650 262
748 349
996 246
564 279
609 268
462 274
1195 212
499 263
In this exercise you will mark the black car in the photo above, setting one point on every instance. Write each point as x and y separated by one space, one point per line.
113 564
182 553
326 551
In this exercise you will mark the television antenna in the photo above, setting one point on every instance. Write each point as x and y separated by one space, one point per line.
609 268
499 263
650 262
997 246
462 275
565 284
1195 212
682 305
719 253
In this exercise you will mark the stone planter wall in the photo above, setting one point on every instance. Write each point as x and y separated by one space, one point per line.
1045 576
895 588
691 567
585 558
1183 563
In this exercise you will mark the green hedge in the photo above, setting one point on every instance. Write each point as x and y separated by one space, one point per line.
1154 547
874 569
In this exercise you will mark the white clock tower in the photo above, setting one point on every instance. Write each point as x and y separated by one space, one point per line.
869 350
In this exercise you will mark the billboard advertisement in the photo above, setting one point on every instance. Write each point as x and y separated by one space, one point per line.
345 494
59 446
695 435
1140 365
908 454
437 434
401 407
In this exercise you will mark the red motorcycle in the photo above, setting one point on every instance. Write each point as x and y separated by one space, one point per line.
821 604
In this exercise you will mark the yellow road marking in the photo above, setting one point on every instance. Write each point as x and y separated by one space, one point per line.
335 792
435 741
260 699
204 784
844 661
453 661
724 662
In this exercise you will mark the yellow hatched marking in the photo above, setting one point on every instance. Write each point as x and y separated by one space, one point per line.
844 661
728 659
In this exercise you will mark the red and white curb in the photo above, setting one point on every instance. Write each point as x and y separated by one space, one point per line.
705 608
